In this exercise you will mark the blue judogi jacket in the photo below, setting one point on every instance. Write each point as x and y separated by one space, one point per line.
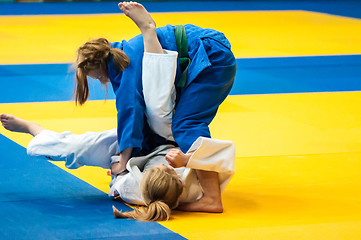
127 85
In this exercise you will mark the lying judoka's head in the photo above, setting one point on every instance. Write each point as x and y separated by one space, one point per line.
161 188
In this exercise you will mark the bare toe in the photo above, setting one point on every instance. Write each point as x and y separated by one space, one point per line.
4 116
121 6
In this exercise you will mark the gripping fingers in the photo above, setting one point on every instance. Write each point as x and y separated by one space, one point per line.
176 158
169 159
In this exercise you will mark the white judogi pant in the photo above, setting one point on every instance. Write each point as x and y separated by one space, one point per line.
99 148
159 92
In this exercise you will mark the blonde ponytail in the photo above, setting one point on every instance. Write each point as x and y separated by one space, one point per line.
161 191
94 55
155 211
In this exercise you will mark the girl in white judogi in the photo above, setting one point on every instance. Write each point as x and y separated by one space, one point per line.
162 180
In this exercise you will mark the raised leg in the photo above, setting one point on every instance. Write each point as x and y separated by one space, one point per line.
16 124
145 23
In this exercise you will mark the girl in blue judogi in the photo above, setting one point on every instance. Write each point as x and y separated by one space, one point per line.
206 69
205 73
211 160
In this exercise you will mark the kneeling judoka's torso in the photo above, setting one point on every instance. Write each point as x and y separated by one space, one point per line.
127 85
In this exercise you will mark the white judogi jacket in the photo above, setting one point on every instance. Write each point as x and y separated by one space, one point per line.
99 148
207 154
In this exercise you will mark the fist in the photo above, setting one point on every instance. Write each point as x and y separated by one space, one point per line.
176 158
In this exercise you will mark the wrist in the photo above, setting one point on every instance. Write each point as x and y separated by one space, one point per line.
186 158
117 168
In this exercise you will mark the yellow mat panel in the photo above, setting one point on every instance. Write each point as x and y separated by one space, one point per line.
297 163
54 39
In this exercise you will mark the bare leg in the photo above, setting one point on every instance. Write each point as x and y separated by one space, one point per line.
15 124
211 200
146 24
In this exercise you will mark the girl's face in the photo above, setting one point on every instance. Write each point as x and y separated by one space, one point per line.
99 74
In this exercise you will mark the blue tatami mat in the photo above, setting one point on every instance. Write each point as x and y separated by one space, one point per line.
297 75
48 82
55 82
40 201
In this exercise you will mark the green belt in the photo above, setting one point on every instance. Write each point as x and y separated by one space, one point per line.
182 49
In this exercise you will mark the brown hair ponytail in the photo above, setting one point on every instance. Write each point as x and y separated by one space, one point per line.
94 55
161 190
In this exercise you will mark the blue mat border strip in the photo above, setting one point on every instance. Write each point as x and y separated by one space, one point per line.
344 8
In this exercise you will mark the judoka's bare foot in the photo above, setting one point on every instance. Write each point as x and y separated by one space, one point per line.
138 14
145 23
16 124
205 204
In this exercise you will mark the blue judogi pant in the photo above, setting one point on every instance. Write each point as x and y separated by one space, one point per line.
198 102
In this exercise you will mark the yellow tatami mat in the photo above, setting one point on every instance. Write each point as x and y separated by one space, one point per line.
252 34
297 163
297 155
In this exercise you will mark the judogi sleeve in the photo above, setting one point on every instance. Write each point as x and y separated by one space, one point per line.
213 155
129 98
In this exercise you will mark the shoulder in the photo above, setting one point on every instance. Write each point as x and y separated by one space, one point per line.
134 44
117 44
